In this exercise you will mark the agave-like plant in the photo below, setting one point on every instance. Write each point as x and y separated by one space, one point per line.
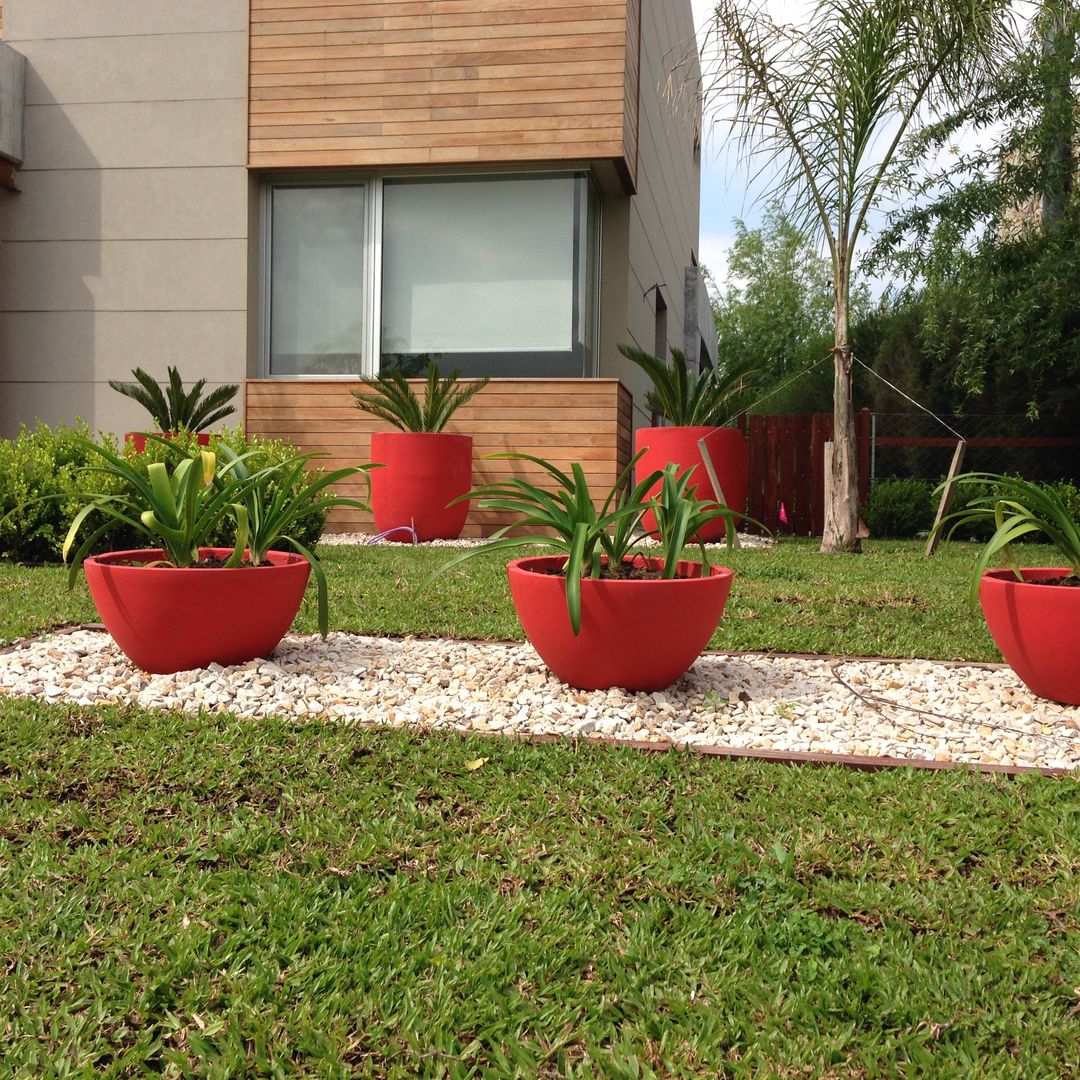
597 541
175 511
1017 508
688 398
389 397
175 409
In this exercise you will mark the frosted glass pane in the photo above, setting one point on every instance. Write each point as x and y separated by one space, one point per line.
317 280
478 266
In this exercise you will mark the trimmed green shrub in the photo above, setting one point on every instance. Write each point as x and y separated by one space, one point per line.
44 482
899 508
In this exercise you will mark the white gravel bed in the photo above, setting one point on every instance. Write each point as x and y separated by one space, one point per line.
910 709
748 540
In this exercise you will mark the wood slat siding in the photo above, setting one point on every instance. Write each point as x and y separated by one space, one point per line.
376 83
562 420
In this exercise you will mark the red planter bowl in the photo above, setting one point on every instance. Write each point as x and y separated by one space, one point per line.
640 635
1037 629
138 438
166 619
423 472
727 449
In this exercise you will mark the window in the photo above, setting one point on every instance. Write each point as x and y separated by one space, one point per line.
492 275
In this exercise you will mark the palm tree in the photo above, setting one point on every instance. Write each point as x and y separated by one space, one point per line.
827 107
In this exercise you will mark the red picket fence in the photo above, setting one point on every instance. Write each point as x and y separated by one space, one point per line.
787 469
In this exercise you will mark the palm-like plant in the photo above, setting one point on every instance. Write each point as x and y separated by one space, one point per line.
1016 508
597 541
173 409
390 397
828 106
688 398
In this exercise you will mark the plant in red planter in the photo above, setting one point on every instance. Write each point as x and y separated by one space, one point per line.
1033 613
179 604
694 404
600 614
173 409
426 469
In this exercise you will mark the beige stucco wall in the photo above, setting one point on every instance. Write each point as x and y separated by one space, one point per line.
651 237
128 242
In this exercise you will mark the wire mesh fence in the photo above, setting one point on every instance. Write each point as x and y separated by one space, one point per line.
917 445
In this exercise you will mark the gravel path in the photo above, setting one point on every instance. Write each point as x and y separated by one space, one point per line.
908 709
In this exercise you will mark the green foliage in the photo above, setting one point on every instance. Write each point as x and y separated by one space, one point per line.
174 410
778 315
899 508
43 484
1017 508
594 540
389 397
688 398
989 244
175 511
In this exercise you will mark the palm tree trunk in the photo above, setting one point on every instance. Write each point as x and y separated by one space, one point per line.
841 532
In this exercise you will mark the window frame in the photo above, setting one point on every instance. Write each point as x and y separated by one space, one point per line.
371 348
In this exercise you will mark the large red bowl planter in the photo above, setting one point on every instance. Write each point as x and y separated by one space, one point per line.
727 450
636 634
138 438
167 619
1037 629
422 473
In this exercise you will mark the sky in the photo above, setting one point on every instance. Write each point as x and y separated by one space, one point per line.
724 183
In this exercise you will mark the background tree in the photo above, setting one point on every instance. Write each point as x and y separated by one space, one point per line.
827 105
776 311
991 250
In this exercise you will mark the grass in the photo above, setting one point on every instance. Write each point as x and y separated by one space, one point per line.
213 896
197 895
891 601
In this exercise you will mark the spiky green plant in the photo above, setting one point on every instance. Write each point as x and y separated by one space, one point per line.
390 397
173 409
592 538
688 398
1016 508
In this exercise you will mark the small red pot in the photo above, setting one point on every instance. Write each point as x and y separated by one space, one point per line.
423 473
166 619
640 635
727 449
138 438
1037 629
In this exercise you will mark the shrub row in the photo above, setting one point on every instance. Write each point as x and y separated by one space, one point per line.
902 508
46 475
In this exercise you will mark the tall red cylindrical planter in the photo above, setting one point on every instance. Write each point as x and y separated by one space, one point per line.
422 473
637 634
138 438
167 619
727 449
1037 629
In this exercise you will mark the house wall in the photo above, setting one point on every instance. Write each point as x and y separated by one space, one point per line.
562 420
128 242
421 82
651 238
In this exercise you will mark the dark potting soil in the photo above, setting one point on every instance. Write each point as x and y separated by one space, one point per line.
627 571
1071 582
211 562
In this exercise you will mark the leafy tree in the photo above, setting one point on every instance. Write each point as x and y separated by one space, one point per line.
777 312
991 250
827 105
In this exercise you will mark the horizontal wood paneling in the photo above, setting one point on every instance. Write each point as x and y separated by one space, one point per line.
562 420
372 83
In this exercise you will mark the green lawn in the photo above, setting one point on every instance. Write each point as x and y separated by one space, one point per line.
205 896
891 601
212 896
